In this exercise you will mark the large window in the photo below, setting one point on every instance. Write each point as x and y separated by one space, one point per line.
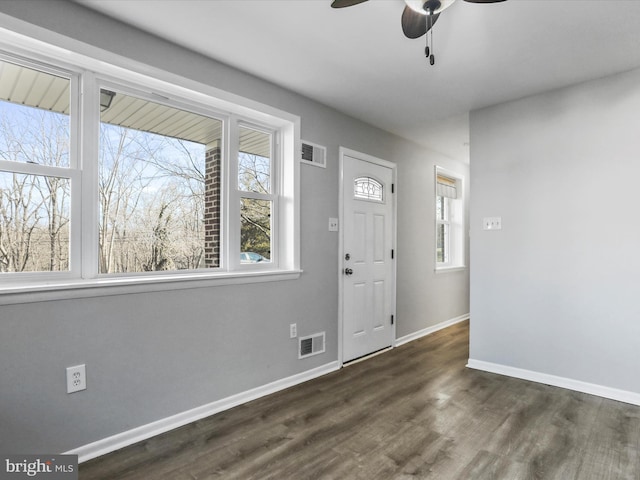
158 185
122 182
449 224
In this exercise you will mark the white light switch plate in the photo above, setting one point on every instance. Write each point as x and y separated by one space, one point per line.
492 223
333 224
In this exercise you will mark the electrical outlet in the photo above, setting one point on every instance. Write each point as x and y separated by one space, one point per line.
76 378
293 330
333 224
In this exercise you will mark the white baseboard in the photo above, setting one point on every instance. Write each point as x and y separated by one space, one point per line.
124 439
429 330
563 382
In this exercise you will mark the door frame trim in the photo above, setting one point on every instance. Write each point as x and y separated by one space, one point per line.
343 151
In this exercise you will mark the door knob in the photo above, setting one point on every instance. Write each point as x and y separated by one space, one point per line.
348 271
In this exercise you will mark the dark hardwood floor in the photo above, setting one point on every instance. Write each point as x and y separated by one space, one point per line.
412 412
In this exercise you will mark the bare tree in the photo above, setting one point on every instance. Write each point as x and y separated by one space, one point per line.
121 185
20 217
140 171
160 242
180 165
254 175
34 205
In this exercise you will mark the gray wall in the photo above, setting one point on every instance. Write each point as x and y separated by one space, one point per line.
152 355
556 290
424 297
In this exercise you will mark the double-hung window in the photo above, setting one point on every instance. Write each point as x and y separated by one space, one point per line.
134 179
256 199
39 173
449 220
443 230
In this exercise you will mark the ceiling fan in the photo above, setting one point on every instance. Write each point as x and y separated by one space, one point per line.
418 17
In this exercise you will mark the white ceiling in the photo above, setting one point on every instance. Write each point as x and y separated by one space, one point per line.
358 61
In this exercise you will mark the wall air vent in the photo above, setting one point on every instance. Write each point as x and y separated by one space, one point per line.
313 154
311 345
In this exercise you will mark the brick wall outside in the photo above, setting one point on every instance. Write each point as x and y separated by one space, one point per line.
212 184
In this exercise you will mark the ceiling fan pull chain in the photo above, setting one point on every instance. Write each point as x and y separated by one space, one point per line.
427 50
432 58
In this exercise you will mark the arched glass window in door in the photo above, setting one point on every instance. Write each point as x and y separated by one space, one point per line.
368 189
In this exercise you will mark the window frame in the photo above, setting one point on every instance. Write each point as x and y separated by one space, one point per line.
236 195
72 172
454 223
445 223
101 70
166 99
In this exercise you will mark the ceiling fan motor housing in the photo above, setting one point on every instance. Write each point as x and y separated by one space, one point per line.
431 6
428 7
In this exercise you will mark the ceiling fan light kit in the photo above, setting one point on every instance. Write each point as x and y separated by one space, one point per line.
418 17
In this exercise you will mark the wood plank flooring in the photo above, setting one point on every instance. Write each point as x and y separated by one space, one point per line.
414 412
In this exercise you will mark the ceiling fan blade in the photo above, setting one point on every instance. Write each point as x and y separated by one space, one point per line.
484 1
345 3
414 24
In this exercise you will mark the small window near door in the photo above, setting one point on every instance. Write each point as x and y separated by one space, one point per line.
367 188
449 220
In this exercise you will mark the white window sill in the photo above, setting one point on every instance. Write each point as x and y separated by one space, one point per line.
62 290
456 268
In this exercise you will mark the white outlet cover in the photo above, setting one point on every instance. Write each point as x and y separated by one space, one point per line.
76 378
333 224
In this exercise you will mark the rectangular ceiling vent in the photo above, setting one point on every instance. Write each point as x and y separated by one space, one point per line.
313 154
311 345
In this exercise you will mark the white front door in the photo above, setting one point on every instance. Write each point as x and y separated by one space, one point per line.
368 272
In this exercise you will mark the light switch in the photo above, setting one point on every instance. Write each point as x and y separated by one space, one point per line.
333 224
492 223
